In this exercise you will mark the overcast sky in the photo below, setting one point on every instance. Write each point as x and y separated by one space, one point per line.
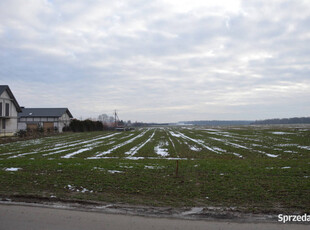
159 60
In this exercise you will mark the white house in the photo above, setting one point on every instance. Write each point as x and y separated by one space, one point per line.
47 118
9 110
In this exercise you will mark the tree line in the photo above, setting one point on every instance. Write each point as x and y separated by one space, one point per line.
294 120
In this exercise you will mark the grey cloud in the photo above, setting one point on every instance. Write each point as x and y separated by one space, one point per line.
157 63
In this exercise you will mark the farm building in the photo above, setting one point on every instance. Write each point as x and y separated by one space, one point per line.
47 118
9 109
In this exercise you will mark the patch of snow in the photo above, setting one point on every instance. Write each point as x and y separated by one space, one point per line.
195 210
82 190
159 150
12 169
101 169
286 167
126 167
174 134
76 152
134 158
114 171
289 151
70 187
238 155
153 167
280 133
194 148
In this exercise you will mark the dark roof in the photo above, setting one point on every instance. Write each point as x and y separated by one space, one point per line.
7 88
44 112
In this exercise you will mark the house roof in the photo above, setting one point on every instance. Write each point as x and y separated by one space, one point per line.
44 112
7 88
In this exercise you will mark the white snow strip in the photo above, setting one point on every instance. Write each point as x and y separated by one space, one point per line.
229 143
142 158
22 154
127 136
238 155
172 143
60 151
286 145
286 167
199 142
75 153
12 169
174 134
135 158
271 155
117 146
135 149
75 143
304 147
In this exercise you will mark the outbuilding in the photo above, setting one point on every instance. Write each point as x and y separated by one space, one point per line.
9 109
50 119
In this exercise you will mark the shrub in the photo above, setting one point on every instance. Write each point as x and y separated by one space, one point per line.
85 126
21 133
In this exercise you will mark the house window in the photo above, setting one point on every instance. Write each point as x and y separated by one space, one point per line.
7 109
0 109
3 124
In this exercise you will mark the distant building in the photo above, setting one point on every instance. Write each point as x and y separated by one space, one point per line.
47 118
9 109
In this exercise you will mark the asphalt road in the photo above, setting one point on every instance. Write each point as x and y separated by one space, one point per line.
18 217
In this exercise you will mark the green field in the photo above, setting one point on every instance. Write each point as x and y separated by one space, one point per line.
256 169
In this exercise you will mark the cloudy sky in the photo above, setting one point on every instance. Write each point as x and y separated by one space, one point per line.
159 60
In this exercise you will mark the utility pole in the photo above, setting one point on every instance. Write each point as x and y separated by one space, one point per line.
115 118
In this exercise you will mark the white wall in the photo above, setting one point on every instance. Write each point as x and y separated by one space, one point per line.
64 120
11 122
